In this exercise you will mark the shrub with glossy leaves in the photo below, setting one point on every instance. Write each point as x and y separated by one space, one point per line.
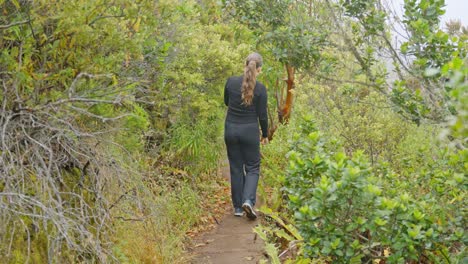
352 212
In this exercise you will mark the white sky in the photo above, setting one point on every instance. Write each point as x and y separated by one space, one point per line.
456 9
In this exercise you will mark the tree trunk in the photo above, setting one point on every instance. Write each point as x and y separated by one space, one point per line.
285 111
284 107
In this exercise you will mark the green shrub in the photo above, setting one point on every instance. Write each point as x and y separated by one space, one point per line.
353 212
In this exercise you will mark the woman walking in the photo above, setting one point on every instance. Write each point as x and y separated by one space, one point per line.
246 99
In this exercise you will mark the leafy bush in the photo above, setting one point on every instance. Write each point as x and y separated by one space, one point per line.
352 212
82 84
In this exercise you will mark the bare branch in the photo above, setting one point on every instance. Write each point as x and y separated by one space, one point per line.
71 89
365 84
13 24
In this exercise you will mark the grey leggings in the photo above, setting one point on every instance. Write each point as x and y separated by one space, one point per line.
243 149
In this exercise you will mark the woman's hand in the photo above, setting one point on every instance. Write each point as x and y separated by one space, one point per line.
264 141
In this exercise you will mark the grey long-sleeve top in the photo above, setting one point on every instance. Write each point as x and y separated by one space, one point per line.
239 113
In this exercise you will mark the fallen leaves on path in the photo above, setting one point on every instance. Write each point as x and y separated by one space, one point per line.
216 201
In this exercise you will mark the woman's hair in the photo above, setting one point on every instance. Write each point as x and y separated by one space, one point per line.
253 61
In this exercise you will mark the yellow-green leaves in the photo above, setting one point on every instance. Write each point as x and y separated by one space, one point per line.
350 212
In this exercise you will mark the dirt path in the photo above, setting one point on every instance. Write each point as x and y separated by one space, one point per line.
231 242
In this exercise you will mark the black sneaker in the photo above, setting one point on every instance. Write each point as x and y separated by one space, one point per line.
248 209
238 212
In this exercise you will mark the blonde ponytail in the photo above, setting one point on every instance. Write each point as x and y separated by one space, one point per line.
253 62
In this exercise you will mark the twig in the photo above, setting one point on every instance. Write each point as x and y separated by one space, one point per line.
130 219
293 244
345 81
120 198
104 17
14 24
65 101
71 89
216 220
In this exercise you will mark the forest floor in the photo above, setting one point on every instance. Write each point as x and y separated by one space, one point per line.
232 240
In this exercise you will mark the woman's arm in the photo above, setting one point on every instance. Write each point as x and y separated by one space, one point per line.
226 94
262 113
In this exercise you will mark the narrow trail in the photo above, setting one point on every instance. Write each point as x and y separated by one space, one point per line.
231 242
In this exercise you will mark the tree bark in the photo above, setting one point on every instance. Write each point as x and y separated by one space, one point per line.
284 112
284 107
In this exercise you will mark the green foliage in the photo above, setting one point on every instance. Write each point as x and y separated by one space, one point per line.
272 168
360 118
422 19
196 146
200 62
134 127
292 232
285 28
457 87
409 101
110 109
350 211
273 253
63 88
372 18
418 91
96 81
